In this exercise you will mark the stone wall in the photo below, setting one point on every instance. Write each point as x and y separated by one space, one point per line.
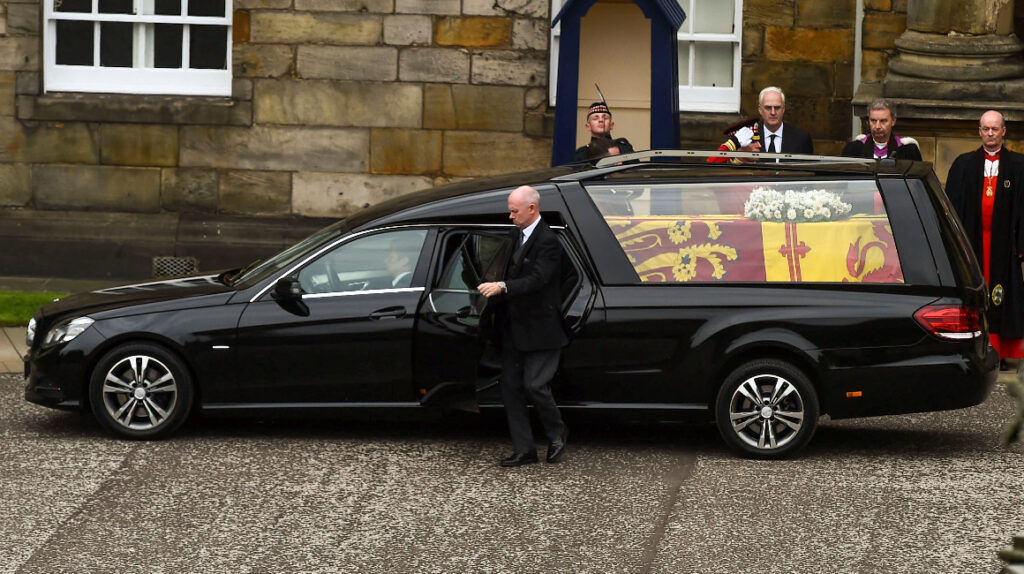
336 105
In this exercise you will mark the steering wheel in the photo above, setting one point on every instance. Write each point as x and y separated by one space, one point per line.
332 277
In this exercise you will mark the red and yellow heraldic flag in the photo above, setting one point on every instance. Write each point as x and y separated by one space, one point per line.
733 248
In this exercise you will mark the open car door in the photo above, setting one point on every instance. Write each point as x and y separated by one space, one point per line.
449 346
457 366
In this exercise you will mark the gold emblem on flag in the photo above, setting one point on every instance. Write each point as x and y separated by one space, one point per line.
997 295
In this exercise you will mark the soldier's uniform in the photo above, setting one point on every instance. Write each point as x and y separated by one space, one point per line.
584 153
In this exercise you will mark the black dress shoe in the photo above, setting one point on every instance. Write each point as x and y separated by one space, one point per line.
557 449
520 458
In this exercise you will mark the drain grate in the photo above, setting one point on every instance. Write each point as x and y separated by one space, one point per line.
164 267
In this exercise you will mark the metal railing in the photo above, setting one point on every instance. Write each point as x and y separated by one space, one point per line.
704 154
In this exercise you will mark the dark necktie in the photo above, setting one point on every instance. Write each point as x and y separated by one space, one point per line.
771 144
520 242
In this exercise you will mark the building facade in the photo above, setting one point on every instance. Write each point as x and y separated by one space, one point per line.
222 130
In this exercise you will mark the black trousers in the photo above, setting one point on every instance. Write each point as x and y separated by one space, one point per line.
526 377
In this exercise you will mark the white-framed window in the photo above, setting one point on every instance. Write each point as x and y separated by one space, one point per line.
710 49
709 55
174 47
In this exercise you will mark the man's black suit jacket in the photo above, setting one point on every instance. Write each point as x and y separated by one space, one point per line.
530 309
794 139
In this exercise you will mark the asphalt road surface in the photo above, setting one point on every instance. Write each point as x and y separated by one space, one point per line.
910 494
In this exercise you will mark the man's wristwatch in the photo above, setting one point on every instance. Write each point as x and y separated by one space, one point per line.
501 285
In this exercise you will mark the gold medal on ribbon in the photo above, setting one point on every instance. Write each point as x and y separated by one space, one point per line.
997 295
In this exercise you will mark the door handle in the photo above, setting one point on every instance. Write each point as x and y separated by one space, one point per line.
388 313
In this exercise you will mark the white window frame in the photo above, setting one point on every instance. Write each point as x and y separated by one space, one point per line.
691 98
138 79
703 98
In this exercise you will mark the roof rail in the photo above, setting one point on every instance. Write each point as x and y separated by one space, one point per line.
683 153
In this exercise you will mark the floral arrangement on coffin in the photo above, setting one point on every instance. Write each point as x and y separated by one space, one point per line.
792 206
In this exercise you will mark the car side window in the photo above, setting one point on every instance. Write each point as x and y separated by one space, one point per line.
380 261
473 258
778 231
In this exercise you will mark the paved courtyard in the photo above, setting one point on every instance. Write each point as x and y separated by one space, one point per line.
909 494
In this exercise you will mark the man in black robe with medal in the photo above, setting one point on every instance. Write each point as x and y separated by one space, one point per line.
985 187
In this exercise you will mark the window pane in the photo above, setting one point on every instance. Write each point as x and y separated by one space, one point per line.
713 16
74 43
684 63
72 5
382 261
206 8
688 21
167 46
168 7
712 64
473 259
787 232
208 47
115 6
116 44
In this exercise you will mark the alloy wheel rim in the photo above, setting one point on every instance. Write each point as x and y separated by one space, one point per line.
140 392
766 411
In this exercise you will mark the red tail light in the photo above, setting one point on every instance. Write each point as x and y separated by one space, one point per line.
954 322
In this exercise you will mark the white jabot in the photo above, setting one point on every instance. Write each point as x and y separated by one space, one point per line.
991 167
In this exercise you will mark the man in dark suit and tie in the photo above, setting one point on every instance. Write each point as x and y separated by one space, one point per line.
776 136
529 324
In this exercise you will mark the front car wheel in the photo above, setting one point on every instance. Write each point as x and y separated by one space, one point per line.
141 390
766 409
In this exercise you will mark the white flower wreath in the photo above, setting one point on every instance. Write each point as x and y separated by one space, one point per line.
793 206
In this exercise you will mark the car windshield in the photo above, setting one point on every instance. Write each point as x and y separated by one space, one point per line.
258 271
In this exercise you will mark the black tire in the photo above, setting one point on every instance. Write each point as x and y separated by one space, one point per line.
152 404
747 401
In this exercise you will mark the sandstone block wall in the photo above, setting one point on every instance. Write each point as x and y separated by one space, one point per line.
336 105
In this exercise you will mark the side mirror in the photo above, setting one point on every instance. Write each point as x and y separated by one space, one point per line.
287 289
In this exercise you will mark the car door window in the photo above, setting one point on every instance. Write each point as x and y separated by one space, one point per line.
469 259
372 262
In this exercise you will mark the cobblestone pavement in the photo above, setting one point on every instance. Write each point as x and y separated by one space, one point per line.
908 494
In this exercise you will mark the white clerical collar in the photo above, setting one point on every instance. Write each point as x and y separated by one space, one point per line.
528 230
993 152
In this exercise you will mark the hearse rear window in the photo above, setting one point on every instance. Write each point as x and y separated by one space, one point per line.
787 232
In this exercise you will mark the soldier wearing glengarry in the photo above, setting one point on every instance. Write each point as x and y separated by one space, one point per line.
600 124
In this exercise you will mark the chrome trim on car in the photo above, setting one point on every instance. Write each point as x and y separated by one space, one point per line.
331 405
363 292
684 153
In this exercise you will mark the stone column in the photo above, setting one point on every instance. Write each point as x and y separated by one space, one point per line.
954 60
957 50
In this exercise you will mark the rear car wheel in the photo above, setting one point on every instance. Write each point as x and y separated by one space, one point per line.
766 409
141 390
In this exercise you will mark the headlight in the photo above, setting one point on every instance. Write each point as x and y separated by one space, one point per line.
30 333
67 330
